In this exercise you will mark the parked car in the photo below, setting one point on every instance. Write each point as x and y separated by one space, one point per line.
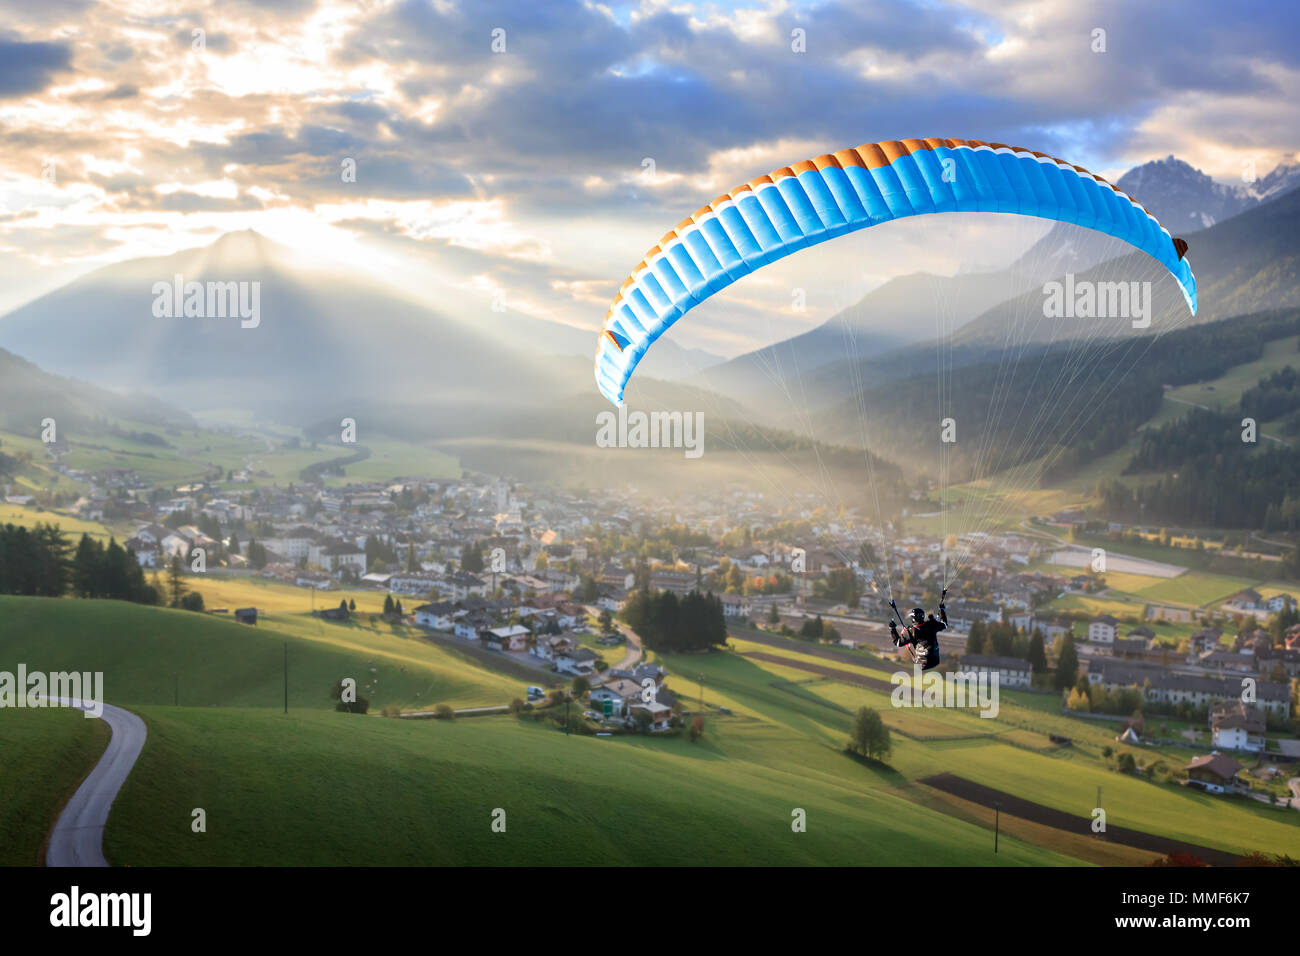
535 691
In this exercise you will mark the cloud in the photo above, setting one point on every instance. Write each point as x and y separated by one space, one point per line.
526 166
31 67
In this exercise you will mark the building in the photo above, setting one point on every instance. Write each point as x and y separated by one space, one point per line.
1055 628
337 555
439 616
1022 620
735 605
963 614
1102 629
659 715
246 615
1011 671
511 638
1158 685
1203 641
420 584
469 625
1174 615
1215 773
1237 727
462 585
577 661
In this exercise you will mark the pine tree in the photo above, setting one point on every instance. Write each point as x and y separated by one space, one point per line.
1037 653
1067 664
175 580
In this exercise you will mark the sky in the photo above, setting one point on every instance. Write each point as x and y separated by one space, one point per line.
529 153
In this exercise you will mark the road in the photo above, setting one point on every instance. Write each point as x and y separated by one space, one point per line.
78 835
633 652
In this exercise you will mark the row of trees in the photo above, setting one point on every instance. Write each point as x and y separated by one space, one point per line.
670 624
1006 640
40 562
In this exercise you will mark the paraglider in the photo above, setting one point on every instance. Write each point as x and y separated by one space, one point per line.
921 636
798 206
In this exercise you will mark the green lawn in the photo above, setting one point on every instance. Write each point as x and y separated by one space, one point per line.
331 789
143 651
318 787
45 754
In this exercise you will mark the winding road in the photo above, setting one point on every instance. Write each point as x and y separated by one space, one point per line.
78 835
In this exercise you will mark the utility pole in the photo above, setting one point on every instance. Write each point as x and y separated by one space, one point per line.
286 677
997 807
567 697
177 675
701 679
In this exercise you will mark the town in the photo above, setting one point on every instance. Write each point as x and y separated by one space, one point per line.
537 580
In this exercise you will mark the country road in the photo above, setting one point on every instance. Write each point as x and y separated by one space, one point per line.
633 653
78 835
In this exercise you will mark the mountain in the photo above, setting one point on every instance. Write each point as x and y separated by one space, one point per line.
1183 198
323 338
1248 263
28 395
667 360
899 313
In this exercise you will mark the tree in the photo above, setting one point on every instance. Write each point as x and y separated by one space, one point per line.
471 559
352 605
388 604
175 580
1067 664
773 616
256 555
192 601
606 621
812 628
975 640
697 728
870 736
1037 653
581 686
232 546
867 554
588 589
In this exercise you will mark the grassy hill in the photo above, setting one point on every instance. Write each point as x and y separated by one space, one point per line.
142 650
316 787
46 755
326 789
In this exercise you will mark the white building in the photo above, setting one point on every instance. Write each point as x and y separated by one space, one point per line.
1011 671
1102 629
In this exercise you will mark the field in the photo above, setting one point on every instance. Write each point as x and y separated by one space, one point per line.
45 755
319 787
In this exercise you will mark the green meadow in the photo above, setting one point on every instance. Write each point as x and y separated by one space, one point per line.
317 787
